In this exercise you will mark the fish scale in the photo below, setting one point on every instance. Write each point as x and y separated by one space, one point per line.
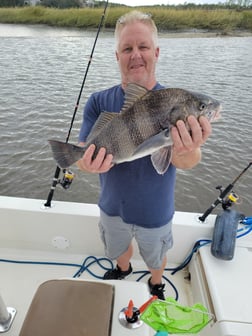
133 126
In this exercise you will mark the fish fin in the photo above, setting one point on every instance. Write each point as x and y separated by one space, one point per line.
153 144
65 154
133 92
159 147
103 119
161 159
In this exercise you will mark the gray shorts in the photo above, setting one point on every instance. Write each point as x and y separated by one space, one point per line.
153 243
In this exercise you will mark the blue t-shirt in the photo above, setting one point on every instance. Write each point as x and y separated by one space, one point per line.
132 190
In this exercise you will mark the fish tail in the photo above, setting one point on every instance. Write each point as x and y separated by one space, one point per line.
65 154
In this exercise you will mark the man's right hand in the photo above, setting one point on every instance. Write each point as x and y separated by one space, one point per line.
100 164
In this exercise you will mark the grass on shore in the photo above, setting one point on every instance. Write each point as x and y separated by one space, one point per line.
223 20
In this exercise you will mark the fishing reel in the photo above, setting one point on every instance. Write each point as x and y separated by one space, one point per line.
227 196
229 200
67 179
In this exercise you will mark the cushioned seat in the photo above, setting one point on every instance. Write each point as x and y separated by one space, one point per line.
70 307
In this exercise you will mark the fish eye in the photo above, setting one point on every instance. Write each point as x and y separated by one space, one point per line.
202 106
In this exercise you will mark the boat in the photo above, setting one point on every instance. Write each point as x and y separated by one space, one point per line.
45 252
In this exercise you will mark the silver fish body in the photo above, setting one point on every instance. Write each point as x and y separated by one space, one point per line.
142 127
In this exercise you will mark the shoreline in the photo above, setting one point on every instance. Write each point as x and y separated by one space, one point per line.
178 33
192 32
196 33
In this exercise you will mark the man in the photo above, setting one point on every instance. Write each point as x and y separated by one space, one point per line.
135 201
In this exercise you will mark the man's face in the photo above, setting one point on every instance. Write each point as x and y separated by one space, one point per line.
137 55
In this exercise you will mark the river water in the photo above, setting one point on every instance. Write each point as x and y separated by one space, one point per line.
41 73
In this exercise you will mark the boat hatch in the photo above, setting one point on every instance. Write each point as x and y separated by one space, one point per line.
225 288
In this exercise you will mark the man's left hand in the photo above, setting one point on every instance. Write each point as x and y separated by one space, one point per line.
185 140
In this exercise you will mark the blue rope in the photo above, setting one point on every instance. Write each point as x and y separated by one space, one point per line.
104 263
91 260
82 267
28 262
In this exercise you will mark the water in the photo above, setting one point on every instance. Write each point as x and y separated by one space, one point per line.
41 73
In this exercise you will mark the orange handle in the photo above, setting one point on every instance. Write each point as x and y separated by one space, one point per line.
129 311
146 304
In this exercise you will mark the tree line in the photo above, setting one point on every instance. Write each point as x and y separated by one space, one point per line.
45 3
233 4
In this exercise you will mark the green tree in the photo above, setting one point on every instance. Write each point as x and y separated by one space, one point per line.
240 3
11 3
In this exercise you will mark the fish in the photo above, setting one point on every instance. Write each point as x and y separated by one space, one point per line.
142 127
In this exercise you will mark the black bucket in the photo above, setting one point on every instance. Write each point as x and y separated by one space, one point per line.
224 234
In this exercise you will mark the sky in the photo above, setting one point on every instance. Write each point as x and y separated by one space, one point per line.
162 2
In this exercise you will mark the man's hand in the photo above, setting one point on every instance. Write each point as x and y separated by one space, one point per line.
187 143
100 164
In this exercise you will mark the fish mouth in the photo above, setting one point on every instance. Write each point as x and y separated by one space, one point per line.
216 115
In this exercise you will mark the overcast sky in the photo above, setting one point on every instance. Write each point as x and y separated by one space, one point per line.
162 2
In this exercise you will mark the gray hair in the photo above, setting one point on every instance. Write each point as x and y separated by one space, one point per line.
132 17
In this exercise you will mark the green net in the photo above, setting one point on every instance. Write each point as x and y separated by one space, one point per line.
173 318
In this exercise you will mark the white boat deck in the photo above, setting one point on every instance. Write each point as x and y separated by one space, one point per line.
19 282
68 233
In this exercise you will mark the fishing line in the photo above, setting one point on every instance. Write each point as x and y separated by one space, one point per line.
55 180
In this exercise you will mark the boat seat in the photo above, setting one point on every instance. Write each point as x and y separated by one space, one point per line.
70 307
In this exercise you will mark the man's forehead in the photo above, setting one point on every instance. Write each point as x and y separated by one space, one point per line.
134 41
128 37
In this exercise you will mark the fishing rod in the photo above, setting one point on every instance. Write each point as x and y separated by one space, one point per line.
223 193
68 175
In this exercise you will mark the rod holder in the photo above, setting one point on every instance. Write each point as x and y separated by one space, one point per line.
124 321
7 315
